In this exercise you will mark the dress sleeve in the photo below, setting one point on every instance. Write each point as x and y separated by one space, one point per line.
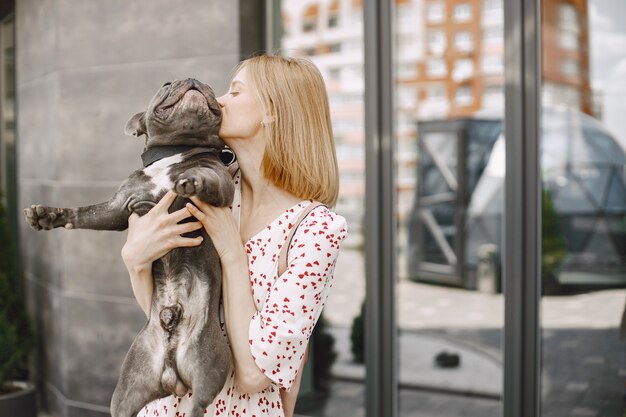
280 331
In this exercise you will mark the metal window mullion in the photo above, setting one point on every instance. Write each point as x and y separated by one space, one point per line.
522 219
381 397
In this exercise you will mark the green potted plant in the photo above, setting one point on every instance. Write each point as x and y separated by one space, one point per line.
17 396
553 247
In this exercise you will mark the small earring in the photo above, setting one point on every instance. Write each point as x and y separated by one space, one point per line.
262 124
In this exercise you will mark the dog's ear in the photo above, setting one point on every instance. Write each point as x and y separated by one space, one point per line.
136 126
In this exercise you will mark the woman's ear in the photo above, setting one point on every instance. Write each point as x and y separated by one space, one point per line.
268 120
136 125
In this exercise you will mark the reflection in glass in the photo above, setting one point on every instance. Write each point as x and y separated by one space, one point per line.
450 320
330 33
583 207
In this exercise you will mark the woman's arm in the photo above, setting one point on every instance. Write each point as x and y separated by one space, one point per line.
238 311
142 284
149 238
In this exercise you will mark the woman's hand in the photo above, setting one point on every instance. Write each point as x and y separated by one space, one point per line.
157 232
220 225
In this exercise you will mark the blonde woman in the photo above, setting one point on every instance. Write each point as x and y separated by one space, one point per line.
275 117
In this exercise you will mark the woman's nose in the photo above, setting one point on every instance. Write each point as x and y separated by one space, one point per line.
220 100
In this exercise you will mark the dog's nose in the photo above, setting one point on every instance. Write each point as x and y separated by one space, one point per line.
170 316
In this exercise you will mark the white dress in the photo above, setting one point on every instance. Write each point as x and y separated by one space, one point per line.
287 308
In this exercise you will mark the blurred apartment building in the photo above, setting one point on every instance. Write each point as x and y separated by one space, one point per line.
449 64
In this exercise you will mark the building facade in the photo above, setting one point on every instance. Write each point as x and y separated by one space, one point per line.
83 69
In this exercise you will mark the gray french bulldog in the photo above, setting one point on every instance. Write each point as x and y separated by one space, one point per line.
182 346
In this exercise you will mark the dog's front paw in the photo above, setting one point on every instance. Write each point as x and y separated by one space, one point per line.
41 217
188 186
194 183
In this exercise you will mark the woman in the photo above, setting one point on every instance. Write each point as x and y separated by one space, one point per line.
275 118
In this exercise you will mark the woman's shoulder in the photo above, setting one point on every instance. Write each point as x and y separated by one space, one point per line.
324 218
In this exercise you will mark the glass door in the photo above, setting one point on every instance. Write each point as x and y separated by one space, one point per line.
449 110
330 33
583 165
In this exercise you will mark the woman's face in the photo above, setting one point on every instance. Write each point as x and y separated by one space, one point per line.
241 110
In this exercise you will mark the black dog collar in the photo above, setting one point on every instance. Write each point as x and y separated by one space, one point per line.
156 153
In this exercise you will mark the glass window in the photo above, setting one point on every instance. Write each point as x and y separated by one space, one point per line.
464 96
493 97
445 221
463 41
309 24
407 70
406 17
436 91
435 12
334 73
463 12
436 41
570 67
493 35
436 67
334 47
407 97
568 18
463 70
333 21
561 95
338 345
492 5
492 64
583 259
569 40
309 19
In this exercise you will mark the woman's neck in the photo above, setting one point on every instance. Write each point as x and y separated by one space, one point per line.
257 192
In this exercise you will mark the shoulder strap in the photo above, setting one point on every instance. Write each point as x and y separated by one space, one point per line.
282 256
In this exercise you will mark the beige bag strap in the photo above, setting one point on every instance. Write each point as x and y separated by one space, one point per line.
288 398
282 256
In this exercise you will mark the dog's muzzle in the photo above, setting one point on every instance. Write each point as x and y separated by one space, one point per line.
170 316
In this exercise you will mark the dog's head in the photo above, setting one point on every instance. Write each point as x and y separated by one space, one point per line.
182 112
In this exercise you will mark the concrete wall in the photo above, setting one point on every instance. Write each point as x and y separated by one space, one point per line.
83 68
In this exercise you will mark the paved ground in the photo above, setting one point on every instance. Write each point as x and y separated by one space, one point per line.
584 362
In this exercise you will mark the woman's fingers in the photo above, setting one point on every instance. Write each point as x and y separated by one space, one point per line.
199 203
187 241
179 215
187 227
195 211
166 201
132 218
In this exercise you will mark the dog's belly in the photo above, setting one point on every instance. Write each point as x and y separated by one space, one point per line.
177 361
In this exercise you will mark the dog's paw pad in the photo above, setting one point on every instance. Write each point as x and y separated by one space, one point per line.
40 217
187 187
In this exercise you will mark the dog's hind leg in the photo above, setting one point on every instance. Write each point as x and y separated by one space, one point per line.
212 353
140 377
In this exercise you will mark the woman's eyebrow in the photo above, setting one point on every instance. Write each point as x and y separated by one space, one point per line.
236 82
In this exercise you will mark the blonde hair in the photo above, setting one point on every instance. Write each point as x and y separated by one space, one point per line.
300 152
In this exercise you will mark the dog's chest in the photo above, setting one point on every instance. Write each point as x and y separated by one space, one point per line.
159 173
